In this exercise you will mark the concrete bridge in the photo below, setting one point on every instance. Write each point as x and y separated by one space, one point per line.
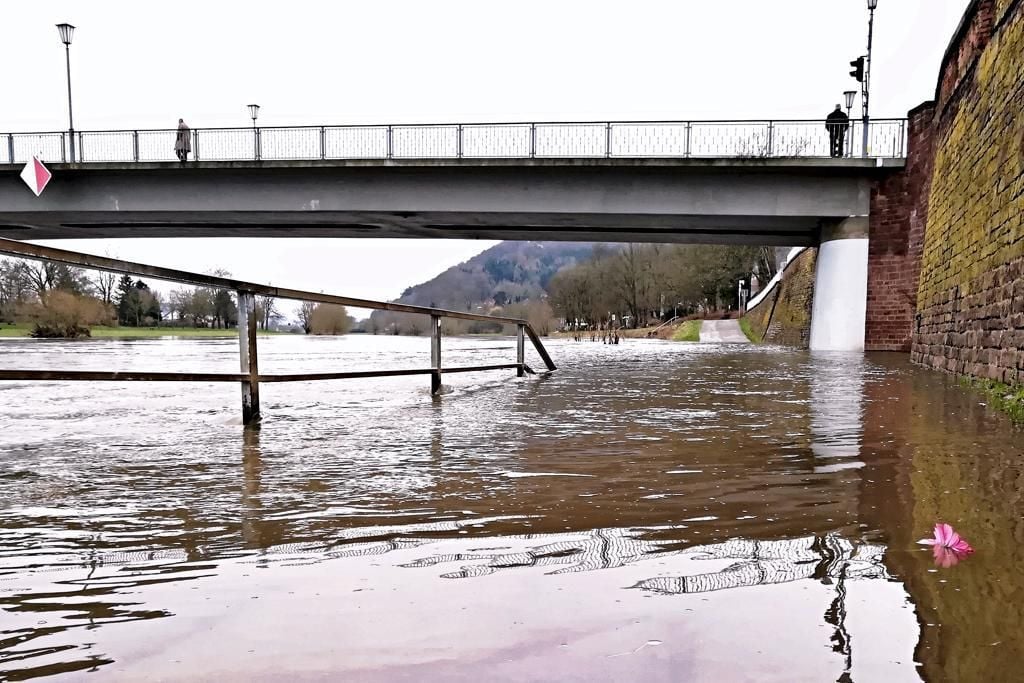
770 185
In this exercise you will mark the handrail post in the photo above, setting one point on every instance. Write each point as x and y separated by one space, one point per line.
533 140
688 125
521 349
435 354
771 136
391 143
323 142
195 145
10 147
458 142
63 148
539 346
248 357
135 145
608 140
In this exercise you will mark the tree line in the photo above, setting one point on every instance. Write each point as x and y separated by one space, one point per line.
65 301
639 284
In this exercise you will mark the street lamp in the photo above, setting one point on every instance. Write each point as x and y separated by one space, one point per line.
849 95
866 85
67 31
254 111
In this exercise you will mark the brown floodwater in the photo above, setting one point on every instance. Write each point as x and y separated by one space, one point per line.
652 511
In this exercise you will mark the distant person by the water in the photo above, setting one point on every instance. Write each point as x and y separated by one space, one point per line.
183 144
837 124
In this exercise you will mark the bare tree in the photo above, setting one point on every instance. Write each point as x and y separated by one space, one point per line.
105 285
266 308
306 315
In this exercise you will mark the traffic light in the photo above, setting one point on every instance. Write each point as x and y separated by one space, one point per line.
858 69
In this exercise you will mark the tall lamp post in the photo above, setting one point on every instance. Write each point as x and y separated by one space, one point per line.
254 111
67 31
872 4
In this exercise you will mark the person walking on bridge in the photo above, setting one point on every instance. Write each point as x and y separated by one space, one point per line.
837 124
183 143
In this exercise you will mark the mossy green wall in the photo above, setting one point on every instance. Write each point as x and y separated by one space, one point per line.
971 289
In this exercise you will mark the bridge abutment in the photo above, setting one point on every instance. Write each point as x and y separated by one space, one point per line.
840 286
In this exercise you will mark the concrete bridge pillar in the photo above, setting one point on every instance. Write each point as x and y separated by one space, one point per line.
841 286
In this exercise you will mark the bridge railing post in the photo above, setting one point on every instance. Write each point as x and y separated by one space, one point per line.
688 128
435 354
248 357
195 145
323 142
771 138
10 148
521 349
390 141
64 147
135 145
458 142
533 140
607 140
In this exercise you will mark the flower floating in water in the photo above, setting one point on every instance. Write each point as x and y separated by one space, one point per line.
948 548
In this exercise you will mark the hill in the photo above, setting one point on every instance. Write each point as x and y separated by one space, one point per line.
507 273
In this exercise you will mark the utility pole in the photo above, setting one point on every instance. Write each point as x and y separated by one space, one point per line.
865 93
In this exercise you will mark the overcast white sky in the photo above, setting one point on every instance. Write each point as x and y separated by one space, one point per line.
144 64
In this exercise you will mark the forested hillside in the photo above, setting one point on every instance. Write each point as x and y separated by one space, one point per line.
508 273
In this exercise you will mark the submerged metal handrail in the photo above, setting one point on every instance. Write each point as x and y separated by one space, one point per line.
250 377
759 138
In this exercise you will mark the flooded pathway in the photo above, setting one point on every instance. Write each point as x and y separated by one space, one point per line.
722 331
652 511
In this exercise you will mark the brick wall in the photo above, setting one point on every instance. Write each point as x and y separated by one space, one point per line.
899 209
786 312
971 289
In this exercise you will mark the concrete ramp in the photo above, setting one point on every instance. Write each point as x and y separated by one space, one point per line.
722 332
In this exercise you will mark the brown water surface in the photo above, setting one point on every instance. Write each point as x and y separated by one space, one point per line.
654 511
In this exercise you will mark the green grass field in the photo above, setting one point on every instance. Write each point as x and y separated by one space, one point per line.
689 331
100 331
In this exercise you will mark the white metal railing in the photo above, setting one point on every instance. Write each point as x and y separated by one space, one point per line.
624 139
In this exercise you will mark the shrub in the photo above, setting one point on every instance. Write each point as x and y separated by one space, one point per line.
66 315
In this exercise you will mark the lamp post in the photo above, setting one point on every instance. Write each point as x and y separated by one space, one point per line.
866 86
849 95
67 31
254 111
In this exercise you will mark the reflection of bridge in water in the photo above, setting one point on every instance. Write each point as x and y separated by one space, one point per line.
825 558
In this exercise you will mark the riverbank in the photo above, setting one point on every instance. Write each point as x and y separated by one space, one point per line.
1003 397
15 331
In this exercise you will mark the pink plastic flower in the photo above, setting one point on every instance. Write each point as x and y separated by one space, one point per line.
946 538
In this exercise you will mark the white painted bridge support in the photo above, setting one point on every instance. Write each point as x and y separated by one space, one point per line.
840 303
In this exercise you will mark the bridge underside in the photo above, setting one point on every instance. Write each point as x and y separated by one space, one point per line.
759 230
783 202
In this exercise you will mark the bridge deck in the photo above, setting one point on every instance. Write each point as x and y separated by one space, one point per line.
765 201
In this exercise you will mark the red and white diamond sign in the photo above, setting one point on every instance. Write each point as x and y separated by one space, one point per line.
35 175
